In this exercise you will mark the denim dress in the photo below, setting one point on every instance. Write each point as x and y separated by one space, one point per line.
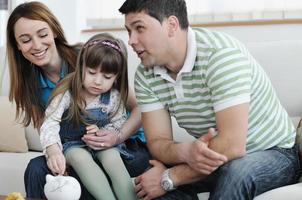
133 151
71 134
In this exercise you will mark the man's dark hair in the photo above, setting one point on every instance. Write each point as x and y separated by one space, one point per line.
159 9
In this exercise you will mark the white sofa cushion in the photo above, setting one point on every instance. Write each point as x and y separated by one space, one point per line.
12 135
12 167
290 192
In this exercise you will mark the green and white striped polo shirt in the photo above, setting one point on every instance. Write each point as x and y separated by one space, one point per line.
218 73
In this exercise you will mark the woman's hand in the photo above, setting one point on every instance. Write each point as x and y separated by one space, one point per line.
55 161
102 139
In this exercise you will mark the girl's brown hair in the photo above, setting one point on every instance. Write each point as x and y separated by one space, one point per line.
24 89
100 51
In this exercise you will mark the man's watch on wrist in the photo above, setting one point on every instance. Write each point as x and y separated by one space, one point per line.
166 181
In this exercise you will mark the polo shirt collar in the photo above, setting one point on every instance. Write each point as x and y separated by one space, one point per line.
190 57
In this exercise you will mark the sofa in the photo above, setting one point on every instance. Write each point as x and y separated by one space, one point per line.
280 57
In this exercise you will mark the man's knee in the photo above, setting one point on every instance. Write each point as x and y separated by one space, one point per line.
237 171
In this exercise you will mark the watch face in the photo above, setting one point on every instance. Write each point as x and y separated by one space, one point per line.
166 185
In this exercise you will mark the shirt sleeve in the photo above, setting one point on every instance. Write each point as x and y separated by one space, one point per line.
116 112
229 78
49 132
146 98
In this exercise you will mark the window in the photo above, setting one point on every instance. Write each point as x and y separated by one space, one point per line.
101 14
3 18
3 4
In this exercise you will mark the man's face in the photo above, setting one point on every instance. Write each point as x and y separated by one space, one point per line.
148 38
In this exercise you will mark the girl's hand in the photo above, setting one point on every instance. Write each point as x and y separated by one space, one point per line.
92 129
102 139
56 161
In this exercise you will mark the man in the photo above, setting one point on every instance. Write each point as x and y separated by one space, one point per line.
218 92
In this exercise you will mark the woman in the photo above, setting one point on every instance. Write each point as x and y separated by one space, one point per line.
36 45
39 57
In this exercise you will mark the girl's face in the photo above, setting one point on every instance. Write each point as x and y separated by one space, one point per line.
35 40
95 82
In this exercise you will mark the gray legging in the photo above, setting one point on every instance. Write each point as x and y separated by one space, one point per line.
34 176
94 177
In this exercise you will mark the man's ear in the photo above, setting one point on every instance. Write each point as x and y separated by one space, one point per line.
173 25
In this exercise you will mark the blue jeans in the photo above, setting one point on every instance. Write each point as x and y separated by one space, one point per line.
246 177
34 177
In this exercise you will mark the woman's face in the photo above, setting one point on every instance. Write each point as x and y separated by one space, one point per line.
35 40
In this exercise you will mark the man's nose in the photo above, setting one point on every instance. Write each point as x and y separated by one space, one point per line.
132 39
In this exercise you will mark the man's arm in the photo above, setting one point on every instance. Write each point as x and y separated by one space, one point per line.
158 130
232 124
200 156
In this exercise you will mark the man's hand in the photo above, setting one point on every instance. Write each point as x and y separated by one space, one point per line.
201 158
147 185
56 161
101 139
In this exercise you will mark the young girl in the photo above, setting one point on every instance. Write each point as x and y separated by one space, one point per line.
89 101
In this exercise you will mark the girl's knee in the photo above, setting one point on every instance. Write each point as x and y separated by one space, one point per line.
110 158
77 155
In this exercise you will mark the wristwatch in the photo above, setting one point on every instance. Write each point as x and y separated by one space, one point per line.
166 181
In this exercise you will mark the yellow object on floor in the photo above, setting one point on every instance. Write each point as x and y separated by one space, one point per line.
14 196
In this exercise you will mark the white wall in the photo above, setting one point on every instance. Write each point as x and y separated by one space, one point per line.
71 14
103 9
3 17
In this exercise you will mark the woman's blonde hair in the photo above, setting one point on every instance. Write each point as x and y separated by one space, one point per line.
24 82
100 51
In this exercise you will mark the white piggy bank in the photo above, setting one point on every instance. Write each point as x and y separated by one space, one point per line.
62 188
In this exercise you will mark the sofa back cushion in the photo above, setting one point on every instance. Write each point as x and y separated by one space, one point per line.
31 135
12 134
